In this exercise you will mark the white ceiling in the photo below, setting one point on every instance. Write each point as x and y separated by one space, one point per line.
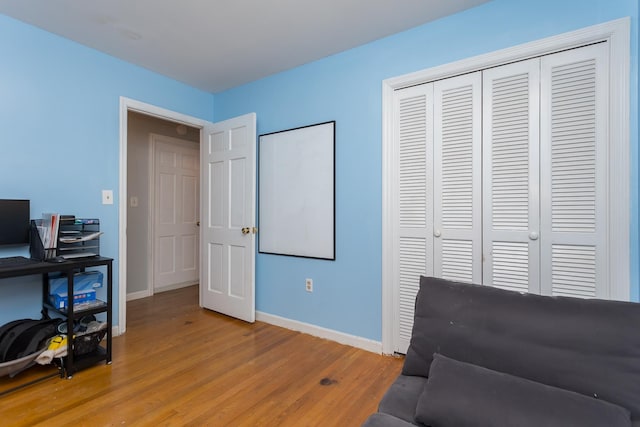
218 44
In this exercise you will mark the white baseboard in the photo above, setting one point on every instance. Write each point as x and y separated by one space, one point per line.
138 295
148 293
318 331
115 331
174 287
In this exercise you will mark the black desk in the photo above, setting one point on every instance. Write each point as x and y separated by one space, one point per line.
72 364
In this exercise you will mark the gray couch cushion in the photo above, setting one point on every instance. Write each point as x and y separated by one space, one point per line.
464 395
401 398
587 346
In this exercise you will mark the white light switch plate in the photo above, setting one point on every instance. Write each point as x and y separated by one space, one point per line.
107 197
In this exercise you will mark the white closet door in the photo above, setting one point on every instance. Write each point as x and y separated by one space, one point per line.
510 176
413 140
457 178
574 120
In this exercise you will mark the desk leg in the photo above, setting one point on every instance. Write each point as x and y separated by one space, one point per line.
109 310
69 369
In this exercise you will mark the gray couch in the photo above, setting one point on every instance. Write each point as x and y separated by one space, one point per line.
481 356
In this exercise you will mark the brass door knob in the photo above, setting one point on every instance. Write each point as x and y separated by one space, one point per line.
246 230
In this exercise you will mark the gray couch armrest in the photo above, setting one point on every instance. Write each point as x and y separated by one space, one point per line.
401 398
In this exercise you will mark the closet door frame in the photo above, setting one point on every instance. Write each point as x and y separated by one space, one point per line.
617 35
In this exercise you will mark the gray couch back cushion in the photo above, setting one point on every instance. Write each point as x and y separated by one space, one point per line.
587 346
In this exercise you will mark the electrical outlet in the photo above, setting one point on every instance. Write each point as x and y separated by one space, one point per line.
308 283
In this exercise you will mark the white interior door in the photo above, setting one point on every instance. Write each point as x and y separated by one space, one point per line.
227 276
176 211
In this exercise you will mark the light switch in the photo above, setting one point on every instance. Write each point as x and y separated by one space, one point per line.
107 197
133 202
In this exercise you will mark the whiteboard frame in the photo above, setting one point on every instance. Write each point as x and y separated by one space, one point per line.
296 192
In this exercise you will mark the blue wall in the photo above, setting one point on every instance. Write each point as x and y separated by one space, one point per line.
59 104
347 88
59 134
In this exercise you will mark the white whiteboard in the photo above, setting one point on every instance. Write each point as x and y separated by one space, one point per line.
297 192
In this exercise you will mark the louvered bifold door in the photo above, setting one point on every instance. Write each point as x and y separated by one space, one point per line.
458 178
511 223
573 158
413 148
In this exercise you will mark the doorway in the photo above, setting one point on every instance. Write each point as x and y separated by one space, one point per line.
139 122
150 258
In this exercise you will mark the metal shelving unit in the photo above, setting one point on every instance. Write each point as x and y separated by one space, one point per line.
71 362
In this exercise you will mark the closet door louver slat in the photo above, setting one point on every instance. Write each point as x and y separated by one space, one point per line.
412 148
412 262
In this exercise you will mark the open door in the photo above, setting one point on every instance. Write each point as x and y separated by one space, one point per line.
228 198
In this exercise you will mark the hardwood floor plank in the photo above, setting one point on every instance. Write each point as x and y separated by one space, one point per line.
180 365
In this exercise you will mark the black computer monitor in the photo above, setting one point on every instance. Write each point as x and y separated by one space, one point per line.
14 222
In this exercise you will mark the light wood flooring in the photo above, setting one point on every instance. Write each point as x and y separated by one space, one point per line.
180 365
